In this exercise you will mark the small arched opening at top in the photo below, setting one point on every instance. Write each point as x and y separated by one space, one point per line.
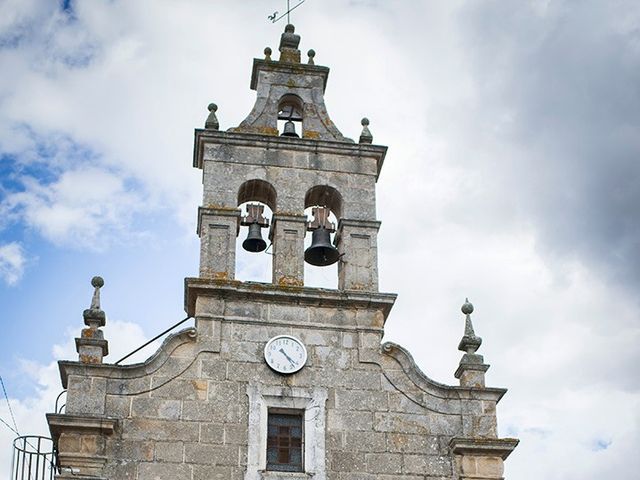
259 198
290 113
329 197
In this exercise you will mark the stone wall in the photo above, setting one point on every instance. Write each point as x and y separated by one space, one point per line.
185 414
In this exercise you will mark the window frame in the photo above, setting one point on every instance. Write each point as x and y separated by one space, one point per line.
299 415
311 402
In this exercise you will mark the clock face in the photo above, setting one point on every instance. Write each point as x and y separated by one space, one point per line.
285 354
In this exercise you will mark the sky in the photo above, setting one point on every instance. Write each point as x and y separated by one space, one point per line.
512 178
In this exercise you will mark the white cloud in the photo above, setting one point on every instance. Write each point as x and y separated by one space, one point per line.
82 208
12 262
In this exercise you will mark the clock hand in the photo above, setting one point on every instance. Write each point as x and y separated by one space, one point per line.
287 357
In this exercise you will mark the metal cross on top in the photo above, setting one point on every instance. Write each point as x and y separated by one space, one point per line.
274 17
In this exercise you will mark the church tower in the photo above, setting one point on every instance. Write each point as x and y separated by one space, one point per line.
280 380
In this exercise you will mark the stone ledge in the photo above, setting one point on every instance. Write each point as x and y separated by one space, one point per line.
79 423
268 292
479 367
93 342
486 447
285 475
220 212
75 476
203 136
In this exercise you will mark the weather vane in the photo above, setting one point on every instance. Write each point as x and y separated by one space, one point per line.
274 17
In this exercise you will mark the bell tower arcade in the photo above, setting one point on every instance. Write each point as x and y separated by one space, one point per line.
307 163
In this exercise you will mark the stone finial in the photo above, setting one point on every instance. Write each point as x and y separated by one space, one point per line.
470 341
267 54
212 120
97 283
311 53
94 317
472 367
91 346
365 136
289 42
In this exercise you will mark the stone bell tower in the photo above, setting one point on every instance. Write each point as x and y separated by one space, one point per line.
289 172
280 380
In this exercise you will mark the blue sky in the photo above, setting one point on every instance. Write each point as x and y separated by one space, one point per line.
512 178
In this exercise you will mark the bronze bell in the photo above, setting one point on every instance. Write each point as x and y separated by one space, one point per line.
321 252
254 242
289 129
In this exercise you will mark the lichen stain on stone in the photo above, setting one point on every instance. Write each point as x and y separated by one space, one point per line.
378 320
84 358
398 441
311 134
359 286
289 281
259 130
222 207
267 131
200 387
220 275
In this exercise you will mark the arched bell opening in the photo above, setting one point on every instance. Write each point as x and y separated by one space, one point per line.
323 207
259 191
256 202
290 113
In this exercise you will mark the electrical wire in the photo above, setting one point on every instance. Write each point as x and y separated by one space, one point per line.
9 426
4 390
154 339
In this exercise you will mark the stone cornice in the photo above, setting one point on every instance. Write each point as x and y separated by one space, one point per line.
79 423
268 292
289 217
463 367
431 387
266 142
217 211
93 342
487 447
151 365
348 222
290 68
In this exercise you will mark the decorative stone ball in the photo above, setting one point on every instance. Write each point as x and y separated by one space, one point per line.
267 51
97 282
364 122
311 53
212 107
467 308
289 28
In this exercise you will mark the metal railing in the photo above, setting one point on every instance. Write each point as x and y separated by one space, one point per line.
33 458
59 408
